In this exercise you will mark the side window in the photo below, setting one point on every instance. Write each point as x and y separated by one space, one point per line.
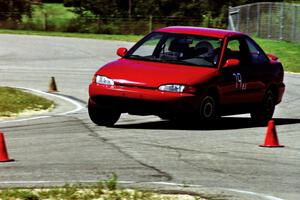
234 45
147 49
233 50
256 55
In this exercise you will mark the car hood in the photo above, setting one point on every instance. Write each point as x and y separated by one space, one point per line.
154 74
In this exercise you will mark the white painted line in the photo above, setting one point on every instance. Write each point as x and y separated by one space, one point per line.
267 197
78 106
263 196
25 119
254 194
57 182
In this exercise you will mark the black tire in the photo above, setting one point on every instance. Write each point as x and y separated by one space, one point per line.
165 116
101 116
208 108
265 110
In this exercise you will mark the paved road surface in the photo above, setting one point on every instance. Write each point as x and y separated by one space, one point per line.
68 148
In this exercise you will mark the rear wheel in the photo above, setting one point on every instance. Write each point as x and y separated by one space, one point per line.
101 116
265 110
208 108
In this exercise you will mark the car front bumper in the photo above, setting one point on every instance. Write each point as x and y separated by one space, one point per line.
142 101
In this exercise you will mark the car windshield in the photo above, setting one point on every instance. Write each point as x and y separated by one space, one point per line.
177 49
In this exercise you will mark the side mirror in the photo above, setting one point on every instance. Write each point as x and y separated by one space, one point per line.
231 63
273 57
121 52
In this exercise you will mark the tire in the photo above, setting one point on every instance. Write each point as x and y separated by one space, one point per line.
265 110
164 116
101 116
208 108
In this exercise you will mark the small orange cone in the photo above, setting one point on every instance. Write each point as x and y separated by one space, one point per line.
3 152
52 85
271 139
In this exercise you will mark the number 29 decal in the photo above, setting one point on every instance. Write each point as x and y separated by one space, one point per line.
239 81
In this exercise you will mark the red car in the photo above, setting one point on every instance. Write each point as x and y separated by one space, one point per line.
179 72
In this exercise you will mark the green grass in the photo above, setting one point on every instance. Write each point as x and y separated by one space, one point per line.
106 190
14 102
81 193
128 38
288 52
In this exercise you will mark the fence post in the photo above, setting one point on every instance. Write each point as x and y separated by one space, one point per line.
270 21
248 19
238 21
296 20
150 23
293 33
281 23
46 21
258 19
98 24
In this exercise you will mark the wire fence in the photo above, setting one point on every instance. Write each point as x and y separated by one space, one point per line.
106 25
267 20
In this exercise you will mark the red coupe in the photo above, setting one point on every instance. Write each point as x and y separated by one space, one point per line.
179 72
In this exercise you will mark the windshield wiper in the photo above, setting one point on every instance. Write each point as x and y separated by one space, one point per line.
176 62
138 57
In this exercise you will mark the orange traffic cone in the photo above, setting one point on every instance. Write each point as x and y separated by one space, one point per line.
3 152
271 139
52 85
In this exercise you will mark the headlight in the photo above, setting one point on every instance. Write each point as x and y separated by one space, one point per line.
172 88
104 80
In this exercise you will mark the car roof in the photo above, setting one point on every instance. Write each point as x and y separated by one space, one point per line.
210 32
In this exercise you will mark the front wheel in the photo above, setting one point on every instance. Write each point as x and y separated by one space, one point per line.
208 108
101 116
264 111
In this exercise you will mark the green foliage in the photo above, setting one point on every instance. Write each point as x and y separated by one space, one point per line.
78 192
12 10
157 8
209 13
50 17
18 194
111 183
53 1
124 16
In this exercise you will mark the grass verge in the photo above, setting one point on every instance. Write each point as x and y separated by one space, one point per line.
14 102
287 52
70 192
128 38
104 190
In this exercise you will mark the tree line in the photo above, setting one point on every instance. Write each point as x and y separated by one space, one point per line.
157 8
125 16
14 9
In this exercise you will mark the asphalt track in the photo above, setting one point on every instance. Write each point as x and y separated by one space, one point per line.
223 160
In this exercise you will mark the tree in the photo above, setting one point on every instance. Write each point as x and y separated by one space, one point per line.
215 12
13 10
52 1
101 8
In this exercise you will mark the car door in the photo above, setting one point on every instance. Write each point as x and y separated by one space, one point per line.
257 71
232 78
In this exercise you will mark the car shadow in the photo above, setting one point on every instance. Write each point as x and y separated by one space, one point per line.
225 123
